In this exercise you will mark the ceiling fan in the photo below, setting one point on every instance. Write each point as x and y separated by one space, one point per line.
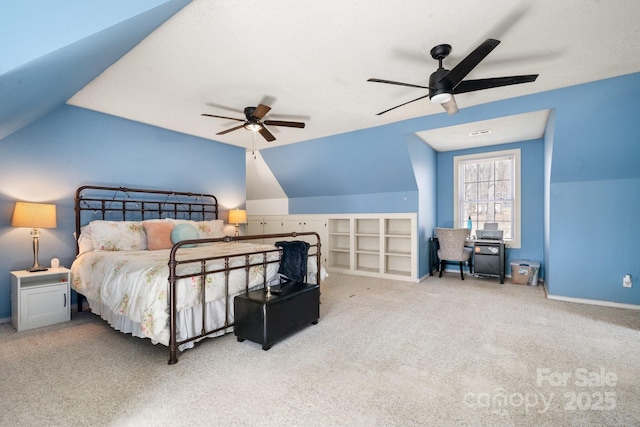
253 122
443 84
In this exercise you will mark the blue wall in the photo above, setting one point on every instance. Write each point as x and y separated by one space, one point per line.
548 156
47 160
595 191
425 168
532 197
363 171
33 28
594 239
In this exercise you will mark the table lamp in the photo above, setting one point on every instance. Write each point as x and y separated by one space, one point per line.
237 217
35 216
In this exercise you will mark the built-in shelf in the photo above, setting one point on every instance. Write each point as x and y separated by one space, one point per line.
383 245
374 244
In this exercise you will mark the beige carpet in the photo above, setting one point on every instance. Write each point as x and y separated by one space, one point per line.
442 352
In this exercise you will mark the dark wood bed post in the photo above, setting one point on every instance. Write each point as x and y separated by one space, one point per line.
173 348
76 208
318 258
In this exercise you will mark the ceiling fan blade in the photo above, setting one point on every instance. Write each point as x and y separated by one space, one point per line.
266 134
230 130
397 83
408 102
480 84
465 66
281 123
260 111
450 106
222 117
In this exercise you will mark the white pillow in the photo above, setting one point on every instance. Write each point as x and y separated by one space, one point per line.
206 229
85 242
118 235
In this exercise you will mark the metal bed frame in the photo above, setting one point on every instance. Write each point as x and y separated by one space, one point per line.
134 204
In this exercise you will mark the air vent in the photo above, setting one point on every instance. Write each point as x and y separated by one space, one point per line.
480 132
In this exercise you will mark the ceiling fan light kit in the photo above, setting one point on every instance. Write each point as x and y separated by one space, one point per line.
253 126
441 98
443 83
252 122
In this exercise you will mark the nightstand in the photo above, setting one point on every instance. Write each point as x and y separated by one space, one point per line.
41 298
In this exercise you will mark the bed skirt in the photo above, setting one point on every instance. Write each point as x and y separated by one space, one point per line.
189 322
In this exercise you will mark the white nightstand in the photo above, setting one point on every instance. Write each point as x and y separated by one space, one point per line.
41 298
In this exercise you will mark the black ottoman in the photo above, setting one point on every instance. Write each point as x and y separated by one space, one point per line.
266 320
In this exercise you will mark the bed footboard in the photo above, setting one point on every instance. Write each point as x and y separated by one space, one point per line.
259 259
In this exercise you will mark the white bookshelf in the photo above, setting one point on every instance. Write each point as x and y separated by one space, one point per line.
383 245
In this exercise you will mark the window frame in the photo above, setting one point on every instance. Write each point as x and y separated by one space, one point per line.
515 242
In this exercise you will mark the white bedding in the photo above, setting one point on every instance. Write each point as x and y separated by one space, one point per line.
130 289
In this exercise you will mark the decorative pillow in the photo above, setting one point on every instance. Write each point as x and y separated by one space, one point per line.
158 234
85 242
206 229
211 229
184 232
118 235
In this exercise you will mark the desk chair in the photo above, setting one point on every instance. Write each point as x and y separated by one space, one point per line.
452 247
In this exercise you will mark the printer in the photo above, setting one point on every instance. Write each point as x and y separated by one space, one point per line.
490 232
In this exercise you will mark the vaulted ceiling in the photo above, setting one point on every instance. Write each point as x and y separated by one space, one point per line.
164 63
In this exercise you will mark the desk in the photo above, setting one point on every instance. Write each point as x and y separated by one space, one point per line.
488 257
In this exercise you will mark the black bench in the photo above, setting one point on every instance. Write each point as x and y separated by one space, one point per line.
266 319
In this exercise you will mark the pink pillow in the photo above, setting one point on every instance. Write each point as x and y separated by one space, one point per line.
158 234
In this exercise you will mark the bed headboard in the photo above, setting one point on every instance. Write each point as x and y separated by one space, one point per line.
137 204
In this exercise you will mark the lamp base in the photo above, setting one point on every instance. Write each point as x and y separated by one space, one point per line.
36 265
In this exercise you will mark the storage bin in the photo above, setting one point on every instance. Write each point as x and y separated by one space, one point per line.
525 272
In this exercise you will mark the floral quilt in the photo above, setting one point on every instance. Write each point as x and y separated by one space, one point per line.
135 283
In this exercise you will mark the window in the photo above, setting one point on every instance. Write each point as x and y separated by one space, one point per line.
487 189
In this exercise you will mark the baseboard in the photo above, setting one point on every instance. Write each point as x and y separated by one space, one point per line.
594 302
5 320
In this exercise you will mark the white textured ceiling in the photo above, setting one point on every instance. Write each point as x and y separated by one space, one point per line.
310 60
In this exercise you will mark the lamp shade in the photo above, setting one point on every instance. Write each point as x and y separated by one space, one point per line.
34 215
237 216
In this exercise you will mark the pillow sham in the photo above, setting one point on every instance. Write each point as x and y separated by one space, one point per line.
158 234
206 229
118 235
85 242
184 232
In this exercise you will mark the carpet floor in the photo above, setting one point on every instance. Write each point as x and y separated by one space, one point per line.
443 352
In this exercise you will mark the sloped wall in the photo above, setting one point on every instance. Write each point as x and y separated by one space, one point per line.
50 54
363 171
